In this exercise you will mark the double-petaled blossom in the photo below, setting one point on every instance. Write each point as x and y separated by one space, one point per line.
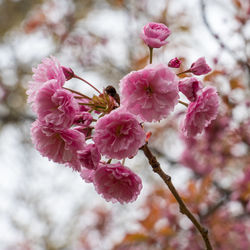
117 183
118 134
59 145
55 106
150 93
49 69
155 34
201 112
89 156
200 67
189 87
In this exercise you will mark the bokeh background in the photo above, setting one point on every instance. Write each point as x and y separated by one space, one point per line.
47 206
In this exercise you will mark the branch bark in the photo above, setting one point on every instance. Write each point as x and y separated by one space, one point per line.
183 208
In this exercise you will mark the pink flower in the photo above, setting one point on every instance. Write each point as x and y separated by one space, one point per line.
189 87
49 69
150 93
58 145
118 135
117 183
55 105
200 67
155 34
201 112
174 63
89 156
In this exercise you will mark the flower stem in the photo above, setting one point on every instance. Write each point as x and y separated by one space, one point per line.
183 208
186 71
150 55
92 86
183 103
78 93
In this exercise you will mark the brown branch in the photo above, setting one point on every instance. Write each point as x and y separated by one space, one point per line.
183 208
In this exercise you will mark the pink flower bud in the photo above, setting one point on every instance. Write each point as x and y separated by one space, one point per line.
155 34
174 63
68 73
200 67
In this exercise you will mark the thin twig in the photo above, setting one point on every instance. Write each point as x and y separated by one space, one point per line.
183 208
218 39
91 85
150 55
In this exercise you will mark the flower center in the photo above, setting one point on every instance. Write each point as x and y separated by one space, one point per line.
118 130
149 90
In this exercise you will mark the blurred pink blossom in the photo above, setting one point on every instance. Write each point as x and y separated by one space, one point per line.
117 183
201 112
150 93
155 34
119 135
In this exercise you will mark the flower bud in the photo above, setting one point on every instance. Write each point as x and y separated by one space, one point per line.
68 73
200 67
155 34
174 63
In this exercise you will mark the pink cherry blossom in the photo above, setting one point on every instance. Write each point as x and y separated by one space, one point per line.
155 34
89 156
200 67
201 112
58 145
55 105
150 93
189 87
118 135
174 63
49 69
117 183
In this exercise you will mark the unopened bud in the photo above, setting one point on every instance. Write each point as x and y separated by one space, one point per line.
174 63
68 73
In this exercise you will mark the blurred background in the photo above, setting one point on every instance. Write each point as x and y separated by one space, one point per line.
47 206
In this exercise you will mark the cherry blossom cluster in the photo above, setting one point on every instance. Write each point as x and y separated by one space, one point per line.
87 133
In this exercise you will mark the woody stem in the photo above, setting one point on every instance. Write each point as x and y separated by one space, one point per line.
183 208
